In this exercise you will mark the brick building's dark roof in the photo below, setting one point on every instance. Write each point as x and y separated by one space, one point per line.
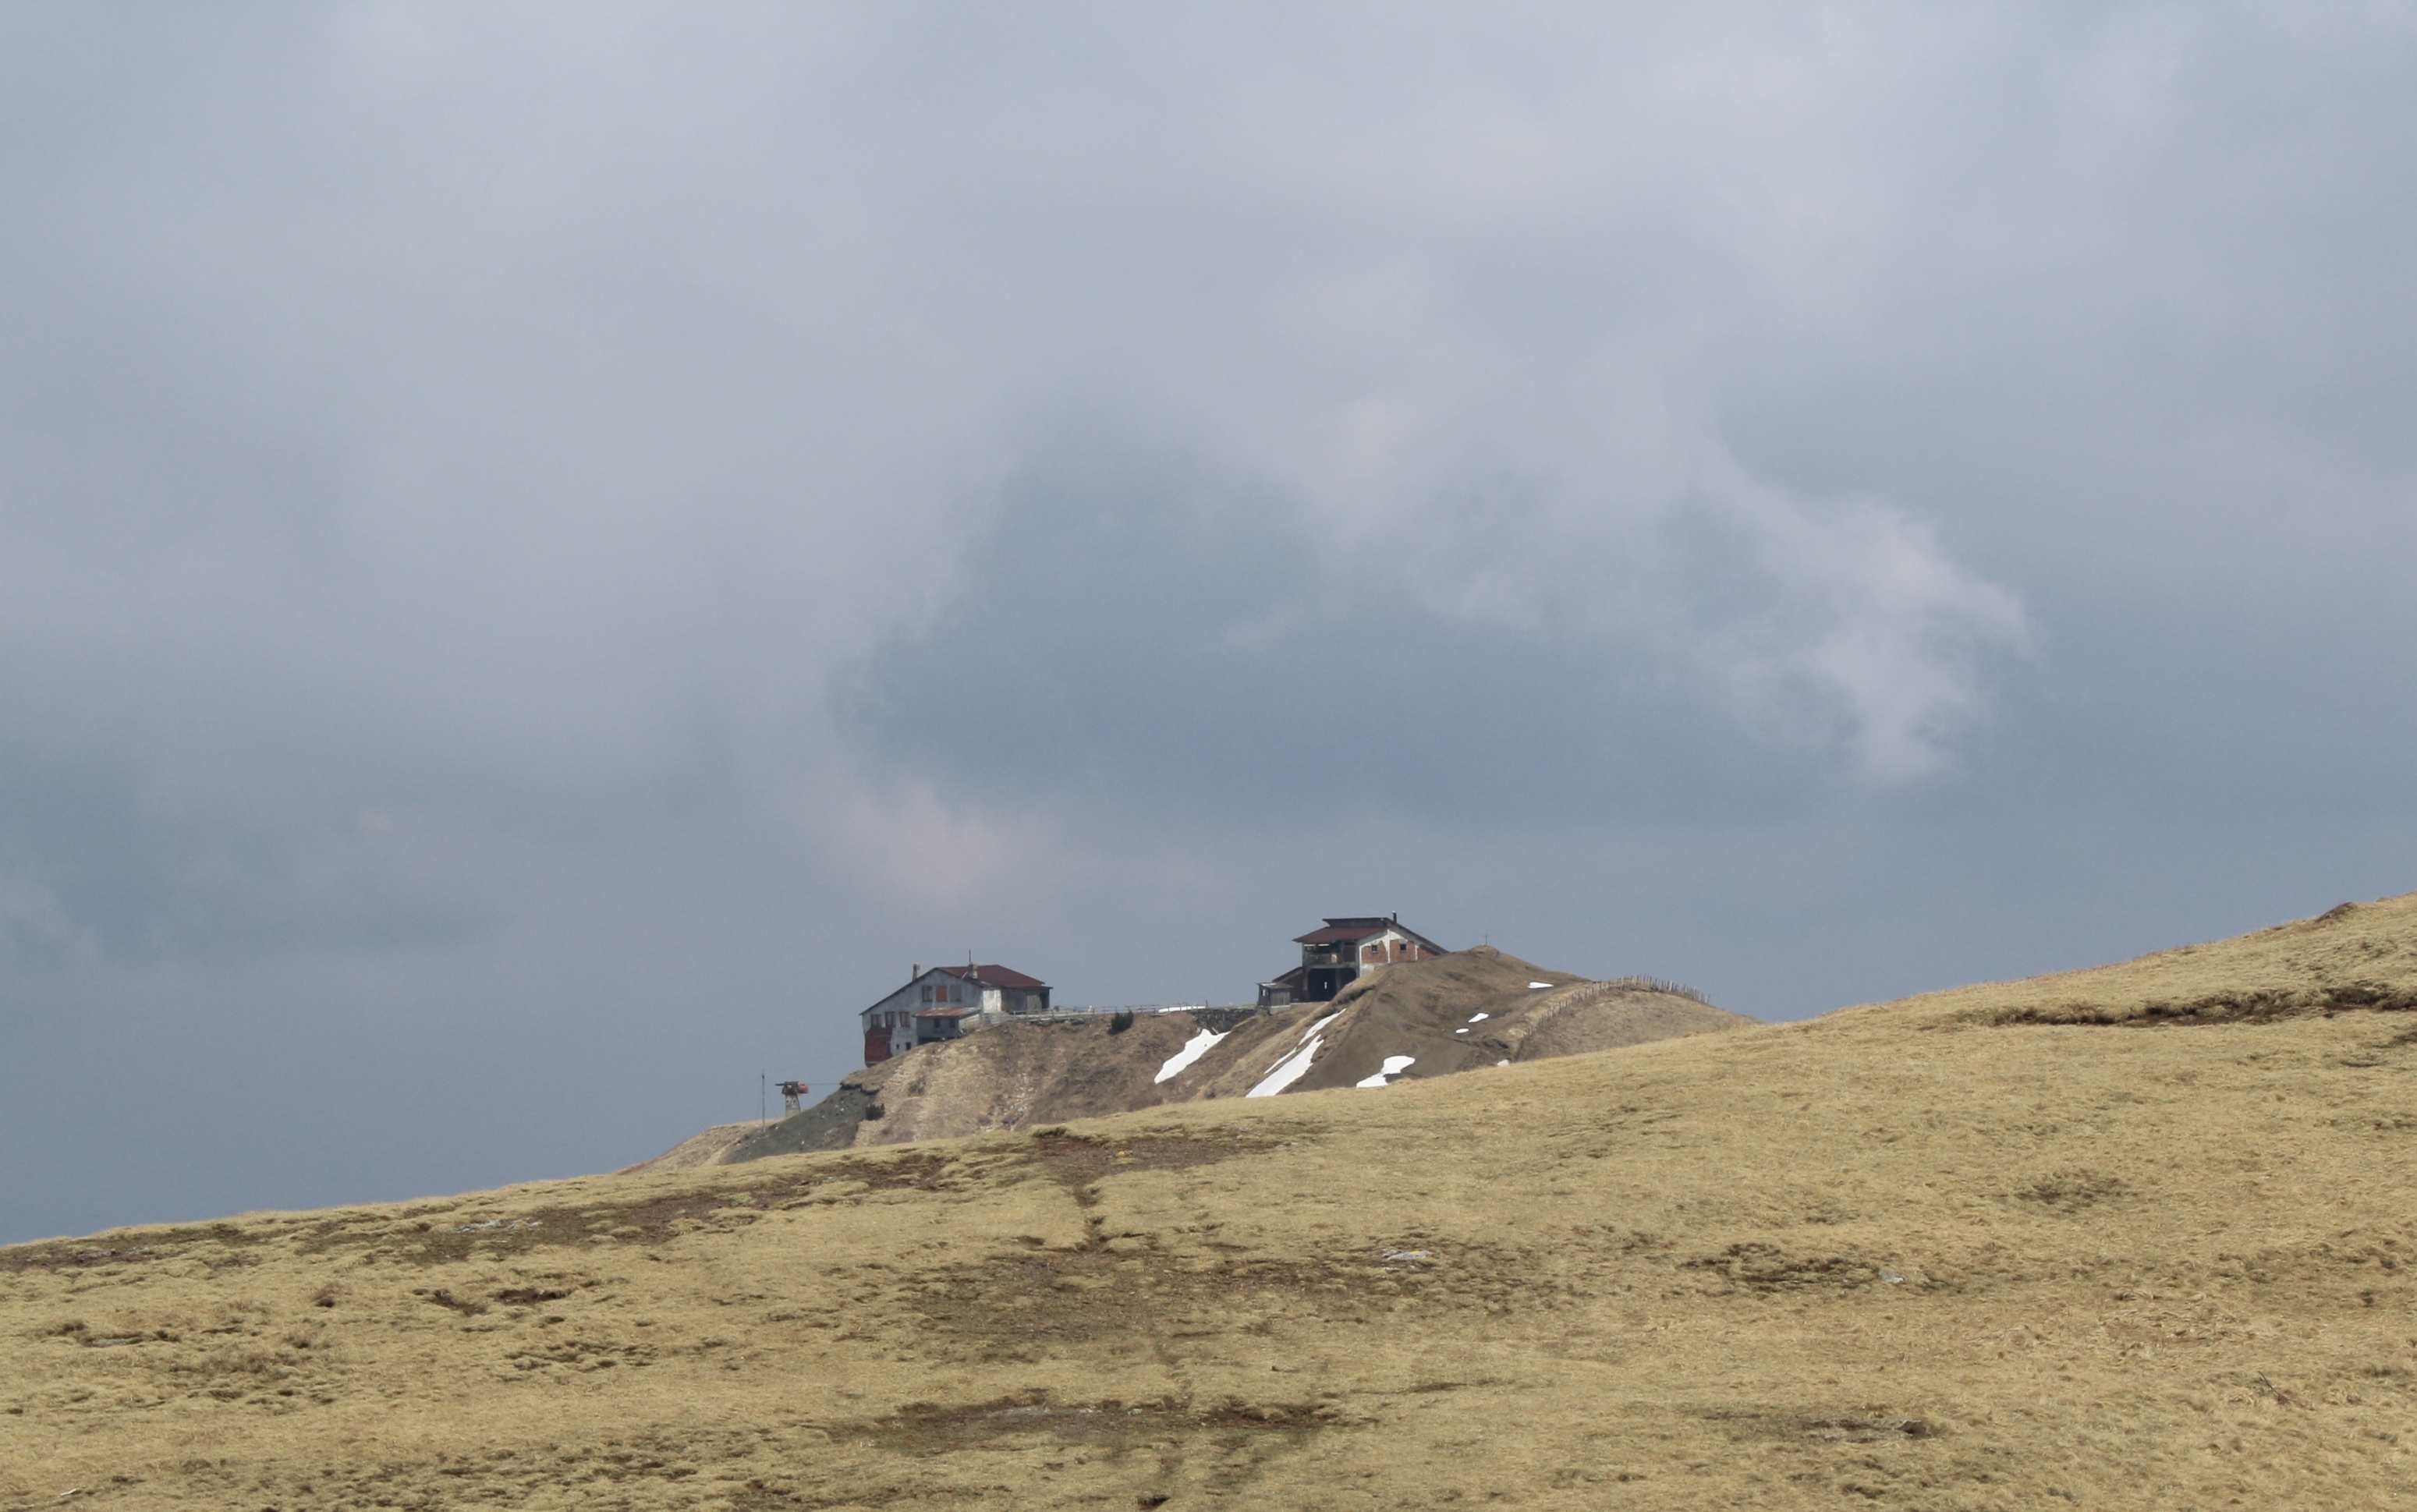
1345 931
1338 930
996 977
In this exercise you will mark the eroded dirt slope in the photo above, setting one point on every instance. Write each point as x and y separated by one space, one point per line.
2140 1238
1406 1022
1427 1018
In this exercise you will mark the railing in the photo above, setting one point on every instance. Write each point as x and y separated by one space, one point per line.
1130 1007
1658 984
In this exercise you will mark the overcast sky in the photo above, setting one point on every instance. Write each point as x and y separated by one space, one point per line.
549 553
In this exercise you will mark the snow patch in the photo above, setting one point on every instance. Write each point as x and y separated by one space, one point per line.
1501 1063
1316 1027
1287 1070
1394 1065
1533 986
1462 1030
1479 1017
1181 1060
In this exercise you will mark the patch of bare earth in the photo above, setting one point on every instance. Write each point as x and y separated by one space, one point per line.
219 1245
2255 1006
2073 1190
1765 1268
645 1220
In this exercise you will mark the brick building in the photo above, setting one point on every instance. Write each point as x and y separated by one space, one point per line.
1342 951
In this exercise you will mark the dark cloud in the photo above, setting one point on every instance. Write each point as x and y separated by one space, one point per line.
1118 646
546 555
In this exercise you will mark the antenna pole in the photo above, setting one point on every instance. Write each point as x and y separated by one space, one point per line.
762 1098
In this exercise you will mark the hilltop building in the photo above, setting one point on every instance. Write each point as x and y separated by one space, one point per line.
1342 951
945 1002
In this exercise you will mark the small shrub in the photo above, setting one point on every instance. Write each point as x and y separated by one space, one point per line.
1120 1021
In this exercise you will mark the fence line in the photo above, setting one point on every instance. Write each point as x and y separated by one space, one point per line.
1659 984
1133 1007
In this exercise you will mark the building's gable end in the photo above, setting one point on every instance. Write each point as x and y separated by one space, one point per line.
941 1001
1395 943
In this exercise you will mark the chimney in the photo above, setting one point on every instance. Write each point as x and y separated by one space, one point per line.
914 971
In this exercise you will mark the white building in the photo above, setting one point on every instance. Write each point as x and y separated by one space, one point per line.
943 1001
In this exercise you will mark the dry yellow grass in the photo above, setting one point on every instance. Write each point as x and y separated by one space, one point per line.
707 1147
1936 1253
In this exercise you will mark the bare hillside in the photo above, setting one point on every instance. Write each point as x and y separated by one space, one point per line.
2138 1237
1423 1020
1017 1075
708 1148
1412 1022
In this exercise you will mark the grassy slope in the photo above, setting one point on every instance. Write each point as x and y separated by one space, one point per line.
1922 1254
707 1148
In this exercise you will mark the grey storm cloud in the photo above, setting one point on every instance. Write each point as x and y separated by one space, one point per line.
546 552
